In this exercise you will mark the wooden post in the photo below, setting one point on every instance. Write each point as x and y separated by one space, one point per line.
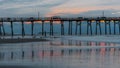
51 27
23 31
96 27
69 28
98 24
107 23
100 27
114 27
105 27
76 28
0 29
2 26
12 33
119 26
42 27
3 29
80 29
109 28
32 27
62 28
89 25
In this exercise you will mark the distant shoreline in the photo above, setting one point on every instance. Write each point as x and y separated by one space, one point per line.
21 40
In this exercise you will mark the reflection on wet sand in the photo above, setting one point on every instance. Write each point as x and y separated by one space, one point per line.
36 51
57 53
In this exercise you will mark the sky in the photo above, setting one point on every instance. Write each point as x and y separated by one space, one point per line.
66 8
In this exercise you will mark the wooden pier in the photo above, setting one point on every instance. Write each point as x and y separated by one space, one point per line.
78 27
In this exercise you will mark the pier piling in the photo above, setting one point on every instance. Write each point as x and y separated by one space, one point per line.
70 28
76 28
42 27
3 29
0 29
51 27
62 28
12 33
98 25
80 28
79 22
119 26
32 27
23 31
89 26
107 23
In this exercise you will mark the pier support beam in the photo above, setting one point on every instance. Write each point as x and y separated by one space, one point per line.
3 29
32 27
115 27
98 25
23 30
89 26
80 28
0 28
70 28
107 23
76 28
12 32
62 27
51 27
119 26
78 23
116 23
42 27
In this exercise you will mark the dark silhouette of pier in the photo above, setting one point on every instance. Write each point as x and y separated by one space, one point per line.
78 20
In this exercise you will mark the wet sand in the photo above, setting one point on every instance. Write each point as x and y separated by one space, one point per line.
21 40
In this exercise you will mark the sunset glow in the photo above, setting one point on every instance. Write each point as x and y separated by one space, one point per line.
59 7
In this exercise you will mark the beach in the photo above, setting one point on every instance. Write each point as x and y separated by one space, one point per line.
21 40
100 38
62 52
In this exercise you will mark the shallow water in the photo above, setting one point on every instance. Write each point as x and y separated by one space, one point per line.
60 53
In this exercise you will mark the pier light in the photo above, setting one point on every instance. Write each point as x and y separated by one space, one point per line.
112 20
28 22
47 21
37 21
102 21
56 22
56 18
93 21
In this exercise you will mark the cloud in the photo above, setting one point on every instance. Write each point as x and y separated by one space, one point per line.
93 13
56 7
16 4
27 7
